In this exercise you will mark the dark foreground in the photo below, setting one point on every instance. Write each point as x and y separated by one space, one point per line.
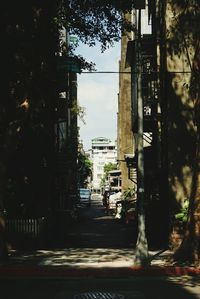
96 263
107 288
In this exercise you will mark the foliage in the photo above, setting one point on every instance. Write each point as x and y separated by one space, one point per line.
30 43
182 215
95 20
80 111
84 168
92 21
103 181
129 193
109 167
30 86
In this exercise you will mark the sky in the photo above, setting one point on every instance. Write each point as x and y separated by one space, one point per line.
98 95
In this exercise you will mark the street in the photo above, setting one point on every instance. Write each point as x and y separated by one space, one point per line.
94 239
96 264
97 229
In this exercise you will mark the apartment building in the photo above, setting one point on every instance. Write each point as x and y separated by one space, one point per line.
104 151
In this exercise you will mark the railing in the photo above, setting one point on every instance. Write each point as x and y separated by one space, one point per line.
31 227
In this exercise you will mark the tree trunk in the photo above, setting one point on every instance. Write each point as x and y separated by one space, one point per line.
189 249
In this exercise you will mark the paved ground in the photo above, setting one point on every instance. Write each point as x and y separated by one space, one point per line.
90 262
97 263
97 229
148 287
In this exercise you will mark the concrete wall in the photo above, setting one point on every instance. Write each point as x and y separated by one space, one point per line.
125 135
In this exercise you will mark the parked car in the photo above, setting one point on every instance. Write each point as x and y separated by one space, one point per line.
85 196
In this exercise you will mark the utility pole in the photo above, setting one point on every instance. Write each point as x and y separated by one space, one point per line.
141 252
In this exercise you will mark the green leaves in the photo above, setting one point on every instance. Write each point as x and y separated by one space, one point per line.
183 213
129 193
108 167
95 20
84 168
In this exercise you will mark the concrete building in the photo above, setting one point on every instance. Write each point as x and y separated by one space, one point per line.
104 151
127 107
168 60
125 141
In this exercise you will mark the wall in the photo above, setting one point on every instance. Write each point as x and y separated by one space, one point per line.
125 135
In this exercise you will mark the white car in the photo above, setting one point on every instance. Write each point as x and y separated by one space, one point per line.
85 196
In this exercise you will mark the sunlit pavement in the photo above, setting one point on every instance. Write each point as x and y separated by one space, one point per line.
93 262
85 257
88 273
96 229
95 273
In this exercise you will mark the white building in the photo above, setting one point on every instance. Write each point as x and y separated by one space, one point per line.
104 151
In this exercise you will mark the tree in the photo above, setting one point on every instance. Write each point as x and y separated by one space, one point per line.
93 21
190 247
107 167
29 43
30 40
98 20
184 39
84 169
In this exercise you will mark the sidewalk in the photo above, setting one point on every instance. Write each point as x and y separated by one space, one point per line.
89 262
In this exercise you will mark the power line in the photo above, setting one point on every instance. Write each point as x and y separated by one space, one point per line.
124 72
105 72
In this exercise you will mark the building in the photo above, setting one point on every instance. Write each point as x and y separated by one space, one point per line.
138 123
65 130
127 101
160 97
104 151
125 140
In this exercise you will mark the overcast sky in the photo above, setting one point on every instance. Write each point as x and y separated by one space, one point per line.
97 93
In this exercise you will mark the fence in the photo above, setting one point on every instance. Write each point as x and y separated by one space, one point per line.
31 227
25 232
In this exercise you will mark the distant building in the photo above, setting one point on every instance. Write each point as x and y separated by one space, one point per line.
104 151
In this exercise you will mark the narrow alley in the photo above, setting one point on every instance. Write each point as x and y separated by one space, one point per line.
97 263
95 239
97 229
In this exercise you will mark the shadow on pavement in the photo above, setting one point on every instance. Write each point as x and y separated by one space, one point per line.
130 288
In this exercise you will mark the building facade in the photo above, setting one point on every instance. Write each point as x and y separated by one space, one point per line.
161 59
125 141
104 151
